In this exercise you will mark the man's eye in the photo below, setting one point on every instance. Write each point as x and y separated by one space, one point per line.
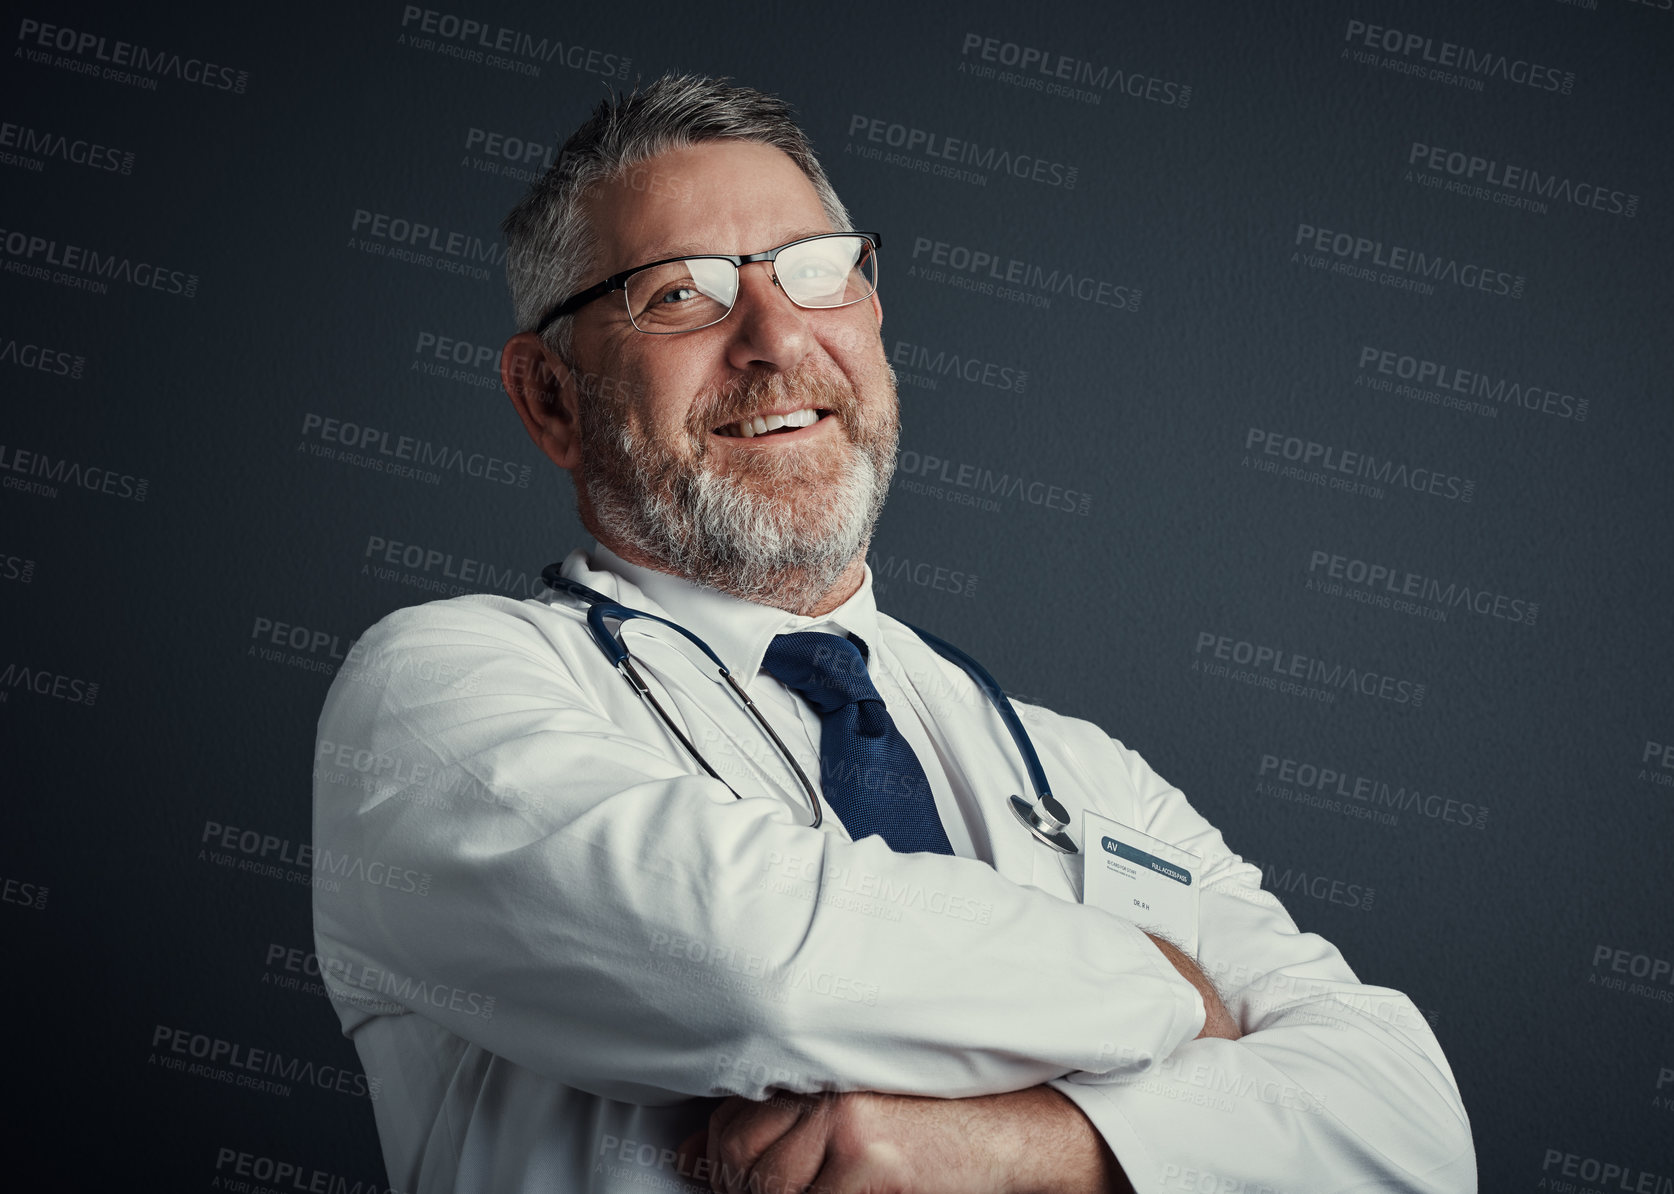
675 295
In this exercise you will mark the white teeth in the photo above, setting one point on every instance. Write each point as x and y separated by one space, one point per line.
761 425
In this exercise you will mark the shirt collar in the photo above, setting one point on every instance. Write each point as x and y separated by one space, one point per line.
738 631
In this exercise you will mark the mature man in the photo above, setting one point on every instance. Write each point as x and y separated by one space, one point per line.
594 963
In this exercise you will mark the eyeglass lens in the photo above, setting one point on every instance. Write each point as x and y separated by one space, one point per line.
694 292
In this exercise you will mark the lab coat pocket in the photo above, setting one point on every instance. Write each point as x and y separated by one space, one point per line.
1056 872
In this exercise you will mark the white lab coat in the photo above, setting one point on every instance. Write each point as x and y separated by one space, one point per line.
553 939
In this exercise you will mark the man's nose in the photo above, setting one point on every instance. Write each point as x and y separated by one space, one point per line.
767 328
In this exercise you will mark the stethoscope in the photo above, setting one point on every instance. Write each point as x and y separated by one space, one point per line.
1045 817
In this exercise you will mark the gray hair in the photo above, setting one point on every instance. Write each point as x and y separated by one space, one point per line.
550 245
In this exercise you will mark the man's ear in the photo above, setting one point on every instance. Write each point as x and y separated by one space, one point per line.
543 389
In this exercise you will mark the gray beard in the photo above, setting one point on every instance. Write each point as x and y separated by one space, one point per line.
748 540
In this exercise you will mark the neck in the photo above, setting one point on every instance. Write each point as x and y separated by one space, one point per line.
794 590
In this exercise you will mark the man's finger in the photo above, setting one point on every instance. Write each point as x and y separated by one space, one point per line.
791 1163
743 1133
692 1149
729 1110
726 1111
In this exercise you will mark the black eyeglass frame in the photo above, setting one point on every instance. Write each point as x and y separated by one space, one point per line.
619 281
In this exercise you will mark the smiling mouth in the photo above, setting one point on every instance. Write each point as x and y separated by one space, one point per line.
772 424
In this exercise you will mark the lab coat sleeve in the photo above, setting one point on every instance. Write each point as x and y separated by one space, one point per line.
1335 1085
513 849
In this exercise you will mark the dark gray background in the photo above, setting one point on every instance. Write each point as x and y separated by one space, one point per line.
1493 930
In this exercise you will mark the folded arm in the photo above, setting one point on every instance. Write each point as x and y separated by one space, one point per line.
1032 1141
1333 1082
1306 1079
622 914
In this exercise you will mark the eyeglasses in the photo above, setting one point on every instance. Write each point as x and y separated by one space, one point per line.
683 294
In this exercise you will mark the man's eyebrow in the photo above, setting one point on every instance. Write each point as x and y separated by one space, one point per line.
695 248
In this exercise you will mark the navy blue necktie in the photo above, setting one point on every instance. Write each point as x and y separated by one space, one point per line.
868 772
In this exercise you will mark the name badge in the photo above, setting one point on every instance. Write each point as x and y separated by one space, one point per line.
1142 878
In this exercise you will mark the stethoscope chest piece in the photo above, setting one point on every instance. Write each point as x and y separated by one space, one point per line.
1047 820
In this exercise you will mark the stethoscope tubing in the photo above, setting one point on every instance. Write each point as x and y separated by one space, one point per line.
601 607
1045 818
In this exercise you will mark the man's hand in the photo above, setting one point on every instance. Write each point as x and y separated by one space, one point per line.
1031 1141
1217 1021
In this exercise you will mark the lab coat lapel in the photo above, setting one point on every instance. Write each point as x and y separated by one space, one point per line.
986 765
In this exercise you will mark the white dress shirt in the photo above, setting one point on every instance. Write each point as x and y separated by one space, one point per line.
554 939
